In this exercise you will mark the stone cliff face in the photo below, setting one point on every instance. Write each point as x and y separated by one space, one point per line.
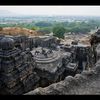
27 63
85 83
19 70
88 82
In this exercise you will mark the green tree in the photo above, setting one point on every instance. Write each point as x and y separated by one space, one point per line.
1 28
43 24
34 28
59 31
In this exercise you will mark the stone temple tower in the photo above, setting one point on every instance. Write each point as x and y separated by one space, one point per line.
17 74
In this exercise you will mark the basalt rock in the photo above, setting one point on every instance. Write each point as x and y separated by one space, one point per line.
17 69
27 63
49 65
79 84
87 82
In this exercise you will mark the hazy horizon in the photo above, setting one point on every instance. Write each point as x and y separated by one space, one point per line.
54 10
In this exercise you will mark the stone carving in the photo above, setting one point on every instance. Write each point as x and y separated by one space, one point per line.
27 63
48 62
17 69
88 82
6 43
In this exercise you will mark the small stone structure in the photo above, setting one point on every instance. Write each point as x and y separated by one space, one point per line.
49 65
82 55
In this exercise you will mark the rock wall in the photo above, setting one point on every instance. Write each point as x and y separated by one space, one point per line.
17 74
85 83
88 82
18 69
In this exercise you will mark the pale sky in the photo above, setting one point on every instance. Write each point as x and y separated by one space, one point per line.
54 10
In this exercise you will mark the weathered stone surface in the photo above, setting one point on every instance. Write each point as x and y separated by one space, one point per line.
75 42
88 82
16 67
95 38
50 67
80 84
26 66
6 43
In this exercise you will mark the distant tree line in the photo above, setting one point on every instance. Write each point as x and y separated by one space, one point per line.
78 27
